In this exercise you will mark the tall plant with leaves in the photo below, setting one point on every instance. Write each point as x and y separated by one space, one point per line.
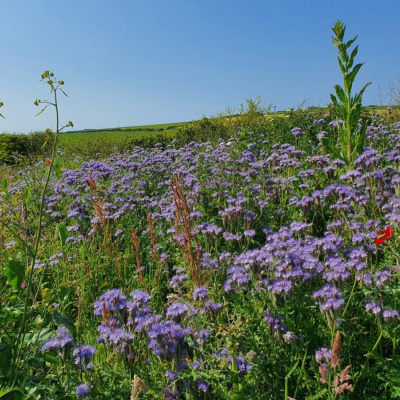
16 271
348 107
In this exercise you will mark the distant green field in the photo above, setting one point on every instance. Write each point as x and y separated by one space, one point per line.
102 140
127 129
107 134
157 126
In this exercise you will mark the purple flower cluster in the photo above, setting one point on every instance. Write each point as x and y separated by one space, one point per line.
322 355
375 307
166 337
330 298
82 390
83 354
63 340
121 318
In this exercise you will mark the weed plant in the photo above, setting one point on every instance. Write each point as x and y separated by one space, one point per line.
351 133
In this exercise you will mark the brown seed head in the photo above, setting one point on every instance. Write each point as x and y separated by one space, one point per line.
138 386
336 350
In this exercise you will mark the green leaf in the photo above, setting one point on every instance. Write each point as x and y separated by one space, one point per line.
352 56
28 192
66 322
340 93
363 90
51 358
331 148
335 101
342 67
44 144
62 91
339 30
5 357
57 171
15 273
352 75
62 233
350 42
40 112
319 395
4 183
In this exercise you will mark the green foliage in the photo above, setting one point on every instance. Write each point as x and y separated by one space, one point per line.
15 148
252 114
348 107
203 130
15 274
12 147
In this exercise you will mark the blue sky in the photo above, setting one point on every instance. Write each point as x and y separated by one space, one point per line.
134 62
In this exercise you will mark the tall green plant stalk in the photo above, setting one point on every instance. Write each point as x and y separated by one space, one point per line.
348 108
47 77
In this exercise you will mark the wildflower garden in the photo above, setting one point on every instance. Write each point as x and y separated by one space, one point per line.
263 265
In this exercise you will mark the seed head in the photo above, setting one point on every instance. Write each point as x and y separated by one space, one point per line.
336 350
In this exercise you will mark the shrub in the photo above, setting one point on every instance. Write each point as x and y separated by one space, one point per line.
12 147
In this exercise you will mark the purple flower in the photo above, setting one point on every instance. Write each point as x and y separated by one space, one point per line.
382 277
290 337
171 375
200 293
111 301
140 296
165 338
197 364
177 310
280 286
242 365
390 315
297 132
83 354
82 390
202 386
373 307
211 307
61 341
249 233
170 394
178 279
329 297
231 237
323 354
276 326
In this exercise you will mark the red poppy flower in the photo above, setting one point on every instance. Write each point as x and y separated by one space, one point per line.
384 235
48 162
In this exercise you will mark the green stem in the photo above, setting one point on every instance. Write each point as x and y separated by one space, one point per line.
18 346
351 296
373 349
300 373
287 380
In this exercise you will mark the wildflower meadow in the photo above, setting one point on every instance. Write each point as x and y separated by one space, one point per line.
263 265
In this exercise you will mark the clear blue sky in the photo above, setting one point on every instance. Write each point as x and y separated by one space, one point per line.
132 62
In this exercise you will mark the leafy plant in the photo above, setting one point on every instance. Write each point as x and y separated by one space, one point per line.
22 276
348 107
